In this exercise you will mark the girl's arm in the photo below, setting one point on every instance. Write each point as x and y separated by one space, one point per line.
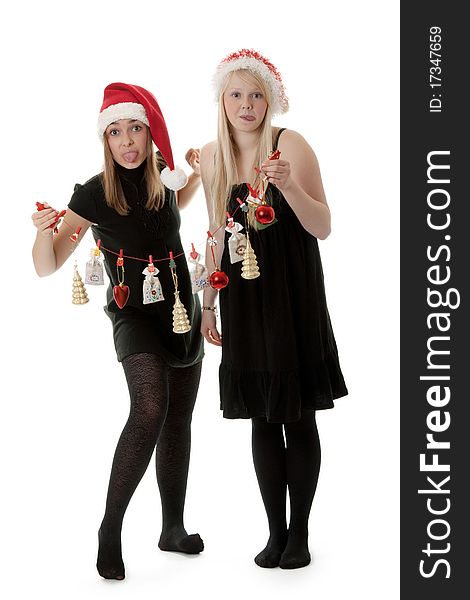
185 195
51 251
209 322
297 175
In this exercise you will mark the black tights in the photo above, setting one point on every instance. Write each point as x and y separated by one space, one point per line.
162 402
280 466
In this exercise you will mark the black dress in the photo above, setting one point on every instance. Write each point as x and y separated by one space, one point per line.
142 327
279 353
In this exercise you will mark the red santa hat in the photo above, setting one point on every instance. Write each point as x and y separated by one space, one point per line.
255 62
126 101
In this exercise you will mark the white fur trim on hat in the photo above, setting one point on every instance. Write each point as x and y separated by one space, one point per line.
279 101
123 110
173 180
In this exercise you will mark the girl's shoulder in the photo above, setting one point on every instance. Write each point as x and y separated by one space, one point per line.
293 145
91 186
206 158
87 198
289 138
208 150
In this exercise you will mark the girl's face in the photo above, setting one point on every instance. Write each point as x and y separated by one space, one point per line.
244 102
127 139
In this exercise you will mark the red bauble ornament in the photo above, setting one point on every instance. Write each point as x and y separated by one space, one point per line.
218 280
121 295
265 214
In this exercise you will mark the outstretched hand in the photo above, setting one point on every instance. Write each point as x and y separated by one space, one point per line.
192 158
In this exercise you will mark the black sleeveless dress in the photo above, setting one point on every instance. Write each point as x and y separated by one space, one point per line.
279 353
142 327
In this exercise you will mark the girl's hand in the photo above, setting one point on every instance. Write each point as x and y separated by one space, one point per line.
209 328
44 219
277 172
192 158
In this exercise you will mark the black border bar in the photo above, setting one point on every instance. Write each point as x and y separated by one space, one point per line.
435 273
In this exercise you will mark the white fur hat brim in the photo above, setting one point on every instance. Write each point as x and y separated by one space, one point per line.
123 110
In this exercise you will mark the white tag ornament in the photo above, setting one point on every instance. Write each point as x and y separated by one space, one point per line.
236 242
94 268
198 273
152 288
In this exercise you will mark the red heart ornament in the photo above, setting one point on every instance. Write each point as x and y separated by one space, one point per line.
121 295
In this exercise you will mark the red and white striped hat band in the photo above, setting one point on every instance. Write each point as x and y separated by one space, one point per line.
256 63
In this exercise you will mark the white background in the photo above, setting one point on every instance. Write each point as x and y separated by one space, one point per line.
64 398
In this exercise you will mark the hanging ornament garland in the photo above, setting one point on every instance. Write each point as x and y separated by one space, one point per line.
264 215
239 245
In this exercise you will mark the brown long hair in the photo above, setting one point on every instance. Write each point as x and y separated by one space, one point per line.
113 191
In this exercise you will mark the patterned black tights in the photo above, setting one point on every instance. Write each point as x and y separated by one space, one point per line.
162 402
292 465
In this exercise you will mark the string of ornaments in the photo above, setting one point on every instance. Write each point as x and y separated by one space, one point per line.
239 246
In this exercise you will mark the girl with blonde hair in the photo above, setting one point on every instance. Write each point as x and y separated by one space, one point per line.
279 358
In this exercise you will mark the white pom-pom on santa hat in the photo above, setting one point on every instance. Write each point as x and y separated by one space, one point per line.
126 101
175 179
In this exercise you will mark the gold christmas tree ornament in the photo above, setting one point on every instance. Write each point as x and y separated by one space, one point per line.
79 293
181 322
250 269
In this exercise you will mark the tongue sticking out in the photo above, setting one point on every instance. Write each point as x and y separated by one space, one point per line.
130 156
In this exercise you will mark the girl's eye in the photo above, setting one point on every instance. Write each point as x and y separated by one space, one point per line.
113 132
257 95
235 94
137 128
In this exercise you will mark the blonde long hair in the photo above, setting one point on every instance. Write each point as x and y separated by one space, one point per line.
225 165
113 191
